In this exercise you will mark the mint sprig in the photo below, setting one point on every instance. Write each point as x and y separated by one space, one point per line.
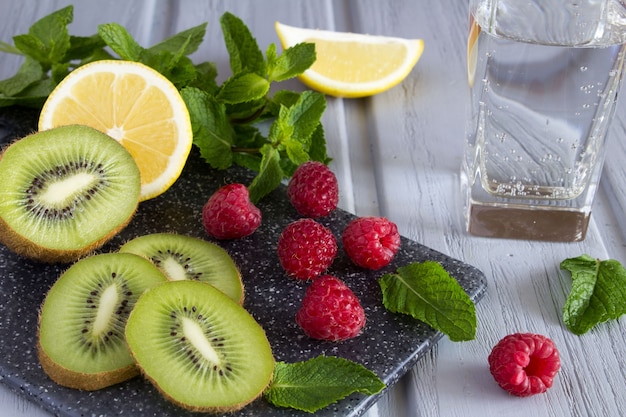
428 293
598 292
316 383
229 121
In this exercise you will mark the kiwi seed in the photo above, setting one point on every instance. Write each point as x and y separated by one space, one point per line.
199 348
65 192
81 342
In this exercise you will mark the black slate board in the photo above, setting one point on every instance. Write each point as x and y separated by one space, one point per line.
390 344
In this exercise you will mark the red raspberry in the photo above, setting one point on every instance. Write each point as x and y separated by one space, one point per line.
524 364
313 190
306 248
371 242
330 310
229 213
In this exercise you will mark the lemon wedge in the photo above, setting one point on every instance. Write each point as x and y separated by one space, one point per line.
352 64
133 104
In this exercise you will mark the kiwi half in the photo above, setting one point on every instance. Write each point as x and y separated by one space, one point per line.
65 192
81 325
199 348
183 257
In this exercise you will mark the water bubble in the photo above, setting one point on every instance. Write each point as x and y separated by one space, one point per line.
583 69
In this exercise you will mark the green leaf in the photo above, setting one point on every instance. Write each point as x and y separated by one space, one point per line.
242 88
82 47
120 41
242 47
30 71
317 150
293 62
212 132
306 114
270 174
428 293
316 383
206 74
33 96
9 49
598 292
47 39
186 41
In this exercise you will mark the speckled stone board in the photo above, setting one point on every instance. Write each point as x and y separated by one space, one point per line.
389 345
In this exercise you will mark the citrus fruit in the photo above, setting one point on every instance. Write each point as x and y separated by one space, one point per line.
133 104
352 64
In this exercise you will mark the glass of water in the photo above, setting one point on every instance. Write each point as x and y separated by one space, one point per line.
543 80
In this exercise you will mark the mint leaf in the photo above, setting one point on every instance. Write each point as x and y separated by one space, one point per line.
292 62
9 49
120 41
85 47
429 294
306 114
270 174
186 41
317 150
30 71
242 47
206 73
316 383
47 39
242 88
295 125
598 292
212 133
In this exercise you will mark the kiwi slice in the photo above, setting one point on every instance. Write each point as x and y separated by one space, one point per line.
65 192
183 257
81 325
199 348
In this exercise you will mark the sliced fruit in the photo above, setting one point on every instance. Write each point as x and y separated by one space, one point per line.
199 348
183 257
65 192
81 326
353 64
135 105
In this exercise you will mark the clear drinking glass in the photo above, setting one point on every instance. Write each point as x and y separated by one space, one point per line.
544 77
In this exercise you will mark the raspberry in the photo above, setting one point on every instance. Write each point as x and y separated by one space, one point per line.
313 190
330 310
306 248
524 364
371 242
229 213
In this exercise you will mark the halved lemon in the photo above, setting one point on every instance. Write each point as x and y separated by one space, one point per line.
353 64
133 104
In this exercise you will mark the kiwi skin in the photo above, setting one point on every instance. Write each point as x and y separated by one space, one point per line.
22 246
27 247
86 382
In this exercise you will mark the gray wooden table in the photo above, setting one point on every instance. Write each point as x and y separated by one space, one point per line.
398 154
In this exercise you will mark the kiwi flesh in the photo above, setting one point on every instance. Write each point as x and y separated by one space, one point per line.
65 192
199 348
82 320
184 257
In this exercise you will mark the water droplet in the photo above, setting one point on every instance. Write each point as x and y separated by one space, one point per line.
583 69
